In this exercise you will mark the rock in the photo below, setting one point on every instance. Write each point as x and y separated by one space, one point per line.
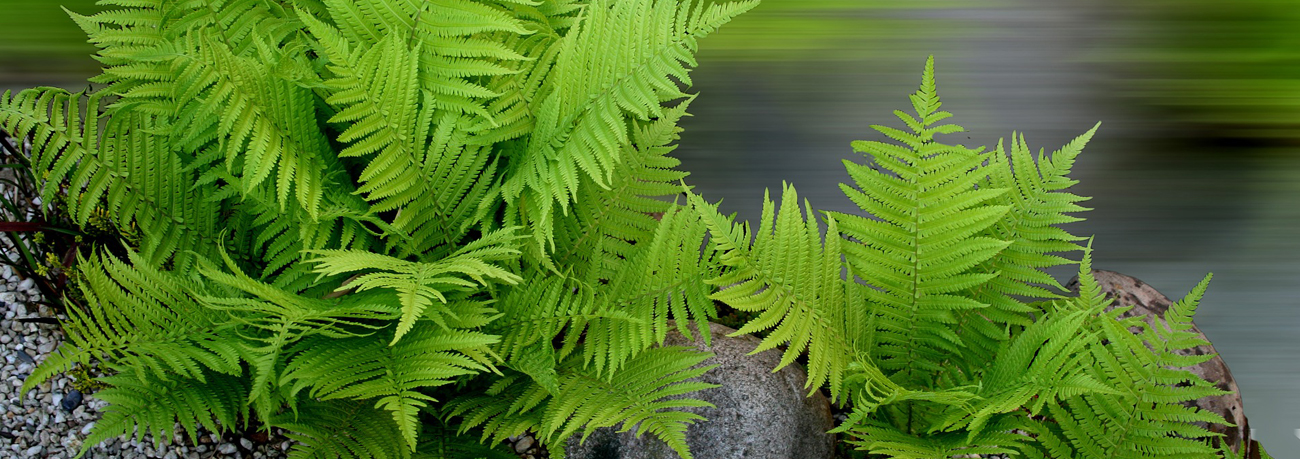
759 414
1150 303
24 357
226 448
71 400
523 445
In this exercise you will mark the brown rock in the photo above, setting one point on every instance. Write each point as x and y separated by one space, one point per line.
1150 303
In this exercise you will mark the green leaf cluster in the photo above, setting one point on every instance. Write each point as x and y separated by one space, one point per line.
400 228
929 315
393 228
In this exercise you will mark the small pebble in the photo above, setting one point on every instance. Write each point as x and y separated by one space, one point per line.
226 448
248 445
24 357
523 445
71 400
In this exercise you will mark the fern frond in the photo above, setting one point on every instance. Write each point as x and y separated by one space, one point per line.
618 63
138 317
549 306
1038 201
603 230
886 439
377 92
420 150
1045 363
1146 418
922 252
143 404
646 394
258 116
342 429
791 279
663 278
274 319
443 442
452 38
363 368
125 169
418 284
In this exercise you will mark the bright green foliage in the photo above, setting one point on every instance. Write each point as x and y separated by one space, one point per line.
348 225
791 278
916 312
402 229
584 400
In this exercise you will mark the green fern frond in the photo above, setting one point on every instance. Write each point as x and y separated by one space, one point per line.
452 37
363 368
1146 417
443 442
922 252
1038 200
418 284
141 318
1045 363
114 163
274 319
585 319
601 235
143 404
618 63
663 278
646 394
791 279
419 149
343 429
382 123
884 438
257 114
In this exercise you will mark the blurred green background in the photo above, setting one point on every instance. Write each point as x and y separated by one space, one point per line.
1196 167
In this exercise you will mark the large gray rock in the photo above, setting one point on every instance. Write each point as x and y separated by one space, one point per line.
1150 304
759 414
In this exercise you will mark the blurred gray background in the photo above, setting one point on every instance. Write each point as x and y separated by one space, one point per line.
1196 168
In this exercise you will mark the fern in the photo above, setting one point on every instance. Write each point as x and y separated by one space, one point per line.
641 396
581 121
918 313
788 276
140 405
363 368
417 284
347 221
344 429
400 229
1145 371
